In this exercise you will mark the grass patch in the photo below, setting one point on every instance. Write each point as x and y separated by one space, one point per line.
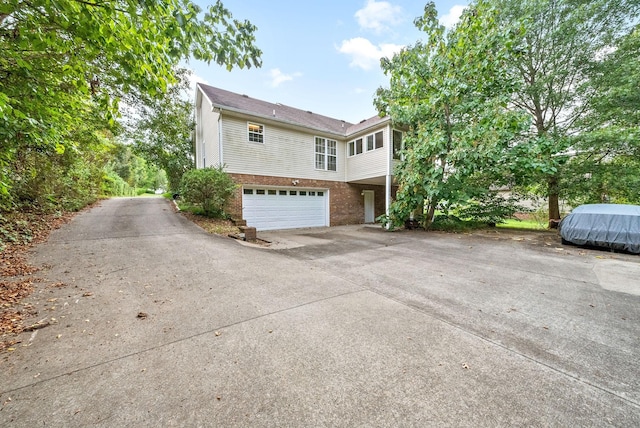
522 224
452 224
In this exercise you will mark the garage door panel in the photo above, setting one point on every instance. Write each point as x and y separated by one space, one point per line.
266 211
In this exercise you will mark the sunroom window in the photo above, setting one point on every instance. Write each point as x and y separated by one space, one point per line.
397 143
379 140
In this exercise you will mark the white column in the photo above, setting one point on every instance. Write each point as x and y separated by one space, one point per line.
388 176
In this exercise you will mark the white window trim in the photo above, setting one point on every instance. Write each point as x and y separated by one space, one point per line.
393 131
326 156
364 143
249 132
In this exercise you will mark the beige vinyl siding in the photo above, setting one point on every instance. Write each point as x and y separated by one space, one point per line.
207 149
368 164
284 152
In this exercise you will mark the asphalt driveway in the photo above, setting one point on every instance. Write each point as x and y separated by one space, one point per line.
161 324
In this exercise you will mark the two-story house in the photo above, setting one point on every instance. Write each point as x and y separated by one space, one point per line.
296 168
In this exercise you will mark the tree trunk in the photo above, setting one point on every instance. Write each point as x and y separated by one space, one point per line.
554 205
428 219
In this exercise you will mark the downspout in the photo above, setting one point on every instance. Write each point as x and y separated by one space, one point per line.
387 196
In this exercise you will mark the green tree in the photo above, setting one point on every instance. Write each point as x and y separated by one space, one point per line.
61 59
130 168
162 130
452 95
50 180
559 43
606 164
209 188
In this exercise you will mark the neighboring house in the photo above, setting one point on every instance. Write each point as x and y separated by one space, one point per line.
296 168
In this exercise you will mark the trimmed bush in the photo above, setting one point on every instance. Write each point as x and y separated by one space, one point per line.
208 188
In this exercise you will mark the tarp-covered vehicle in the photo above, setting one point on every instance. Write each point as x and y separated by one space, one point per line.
612 226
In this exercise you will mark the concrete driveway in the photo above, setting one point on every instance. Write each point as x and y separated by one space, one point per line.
348 326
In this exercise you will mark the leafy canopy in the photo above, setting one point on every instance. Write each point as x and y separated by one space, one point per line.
161 130
560 44
68 63
451 93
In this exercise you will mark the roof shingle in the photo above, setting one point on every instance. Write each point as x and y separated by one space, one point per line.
280 112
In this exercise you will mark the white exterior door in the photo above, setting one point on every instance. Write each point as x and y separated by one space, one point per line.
278 208
369 210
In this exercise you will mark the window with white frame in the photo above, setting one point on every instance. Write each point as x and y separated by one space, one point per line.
369 142
326 154
256 132
397 143
379 140
366 144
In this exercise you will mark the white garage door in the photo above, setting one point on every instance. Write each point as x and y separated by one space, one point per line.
268 208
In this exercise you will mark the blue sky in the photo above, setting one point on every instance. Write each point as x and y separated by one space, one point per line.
322 55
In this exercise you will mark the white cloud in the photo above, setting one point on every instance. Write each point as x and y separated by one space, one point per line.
278 77
365 54
378 15
453 16
194 79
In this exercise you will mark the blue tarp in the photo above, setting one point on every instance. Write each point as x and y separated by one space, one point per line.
612 226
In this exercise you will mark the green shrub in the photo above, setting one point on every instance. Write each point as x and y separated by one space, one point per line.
452 223
490 209
207 188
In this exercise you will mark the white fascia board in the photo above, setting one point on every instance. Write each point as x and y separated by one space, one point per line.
203 94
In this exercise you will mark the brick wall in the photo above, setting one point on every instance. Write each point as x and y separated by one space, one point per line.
346 202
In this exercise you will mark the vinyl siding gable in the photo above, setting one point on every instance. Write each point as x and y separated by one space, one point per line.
284 152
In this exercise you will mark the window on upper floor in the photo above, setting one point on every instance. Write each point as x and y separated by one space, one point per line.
326 154
397 143
369 142
359 146
366 144
379 140
256 132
